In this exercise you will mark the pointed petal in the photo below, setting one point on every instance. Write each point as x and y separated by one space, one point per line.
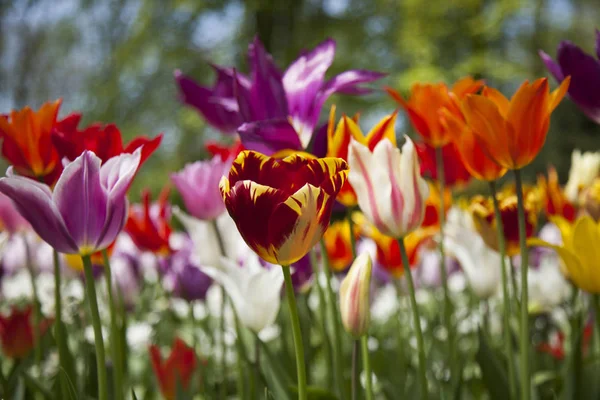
82 201
552 66
34 202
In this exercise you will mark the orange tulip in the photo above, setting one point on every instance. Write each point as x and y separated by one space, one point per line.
27 141
428 100
513 132
473 156
340 136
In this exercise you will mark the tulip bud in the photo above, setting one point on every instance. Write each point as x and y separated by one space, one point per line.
354 296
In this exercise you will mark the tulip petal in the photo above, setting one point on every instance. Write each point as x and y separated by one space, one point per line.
552 66
586 236
225 119
597 46
34 202
267 94
585 78
302 81
82 201
147 145
269 136
262 200
297 224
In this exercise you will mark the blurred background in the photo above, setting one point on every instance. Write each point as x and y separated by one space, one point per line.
113 60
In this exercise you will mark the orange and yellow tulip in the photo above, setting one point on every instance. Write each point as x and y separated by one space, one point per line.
555 200
512 132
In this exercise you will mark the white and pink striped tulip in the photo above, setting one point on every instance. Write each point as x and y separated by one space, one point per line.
390 190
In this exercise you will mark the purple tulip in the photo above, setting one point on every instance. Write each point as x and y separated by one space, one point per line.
287 105
88 207
584 70
198 184
184 276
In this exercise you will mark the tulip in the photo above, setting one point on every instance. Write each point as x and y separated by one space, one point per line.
282 207
224 151
88 207
198 184
176 371
584 71
354 296
185 277
338 244
254 290
339 138
477 260
591 200
26 142
426 103
585 167
292 101
482 210
556 202
16 332
455 172
148 224
104 140
579 252
390 190
512 132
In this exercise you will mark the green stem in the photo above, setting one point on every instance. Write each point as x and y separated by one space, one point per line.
416 320
576 353
352 238
443 272
37 311
291 298
338 369
115 338
355 373
524 334
241 377
323 318
58 329
596 303
194 325
364 342
223 360
505 293
90 288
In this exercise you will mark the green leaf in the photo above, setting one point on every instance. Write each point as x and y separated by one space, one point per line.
316 393
493 372
36 386
277 380
133 396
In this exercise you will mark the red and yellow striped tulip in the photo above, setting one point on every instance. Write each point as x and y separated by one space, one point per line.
282 207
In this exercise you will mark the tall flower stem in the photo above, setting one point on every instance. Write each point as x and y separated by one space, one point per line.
524 334
338 369
115 337
37 310
223 360
298 346
364 343
241 357
323 318
439 161
90 288
416 320
61 339
352 238
505 292
355 373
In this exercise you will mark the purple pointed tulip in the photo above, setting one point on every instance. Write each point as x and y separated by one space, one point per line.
10 218
88 207
584 70
198 184
285 107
